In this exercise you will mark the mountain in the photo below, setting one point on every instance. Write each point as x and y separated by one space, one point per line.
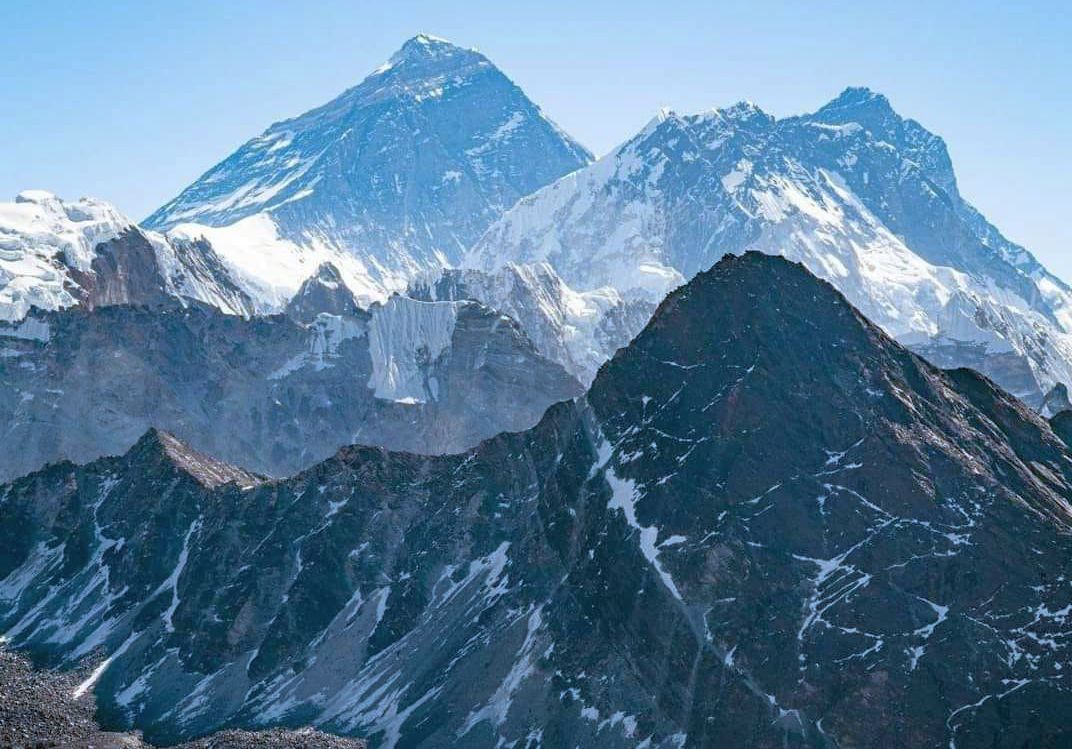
323 292
398 175
865 198
1056 401
56 254
767 525
274 394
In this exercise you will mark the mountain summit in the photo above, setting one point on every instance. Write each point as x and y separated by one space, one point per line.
427 48
399 174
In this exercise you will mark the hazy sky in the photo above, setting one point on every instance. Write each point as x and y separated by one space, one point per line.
131 101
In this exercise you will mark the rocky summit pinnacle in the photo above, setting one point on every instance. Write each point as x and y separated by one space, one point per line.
425 47
397 175
766 525
854 97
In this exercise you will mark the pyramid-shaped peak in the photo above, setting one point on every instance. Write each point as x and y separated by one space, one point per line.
425 48
324 292
429 42
327 273
752 276
208 471
771 307
353 174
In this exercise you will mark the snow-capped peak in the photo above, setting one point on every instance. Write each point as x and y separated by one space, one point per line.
396 176
664 114
863 197
425 47
50 248
40 220
36 196
856 95
743 111
42 237
862 105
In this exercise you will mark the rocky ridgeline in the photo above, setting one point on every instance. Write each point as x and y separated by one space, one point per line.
766 525
274 394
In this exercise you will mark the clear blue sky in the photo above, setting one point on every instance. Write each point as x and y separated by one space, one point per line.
130 101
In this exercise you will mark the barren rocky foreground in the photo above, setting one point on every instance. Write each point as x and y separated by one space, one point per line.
37 710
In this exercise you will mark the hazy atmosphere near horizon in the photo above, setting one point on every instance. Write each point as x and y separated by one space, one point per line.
535 375
132 102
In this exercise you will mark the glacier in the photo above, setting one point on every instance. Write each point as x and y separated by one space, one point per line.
406 336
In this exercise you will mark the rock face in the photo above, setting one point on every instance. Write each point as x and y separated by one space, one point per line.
270 394
397 175
866 199
766 525
580 331
324 292
56 254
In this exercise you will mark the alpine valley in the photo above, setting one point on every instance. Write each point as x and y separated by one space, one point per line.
413 422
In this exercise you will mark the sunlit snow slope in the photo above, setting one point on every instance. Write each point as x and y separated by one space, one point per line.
56 254
863 197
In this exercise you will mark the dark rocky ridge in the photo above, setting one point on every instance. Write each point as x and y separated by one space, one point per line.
127 271
1061 423
767 525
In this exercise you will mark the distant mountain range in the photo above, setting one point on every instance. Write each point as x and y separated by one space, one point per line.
766 524
273 394
411 421
438 160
